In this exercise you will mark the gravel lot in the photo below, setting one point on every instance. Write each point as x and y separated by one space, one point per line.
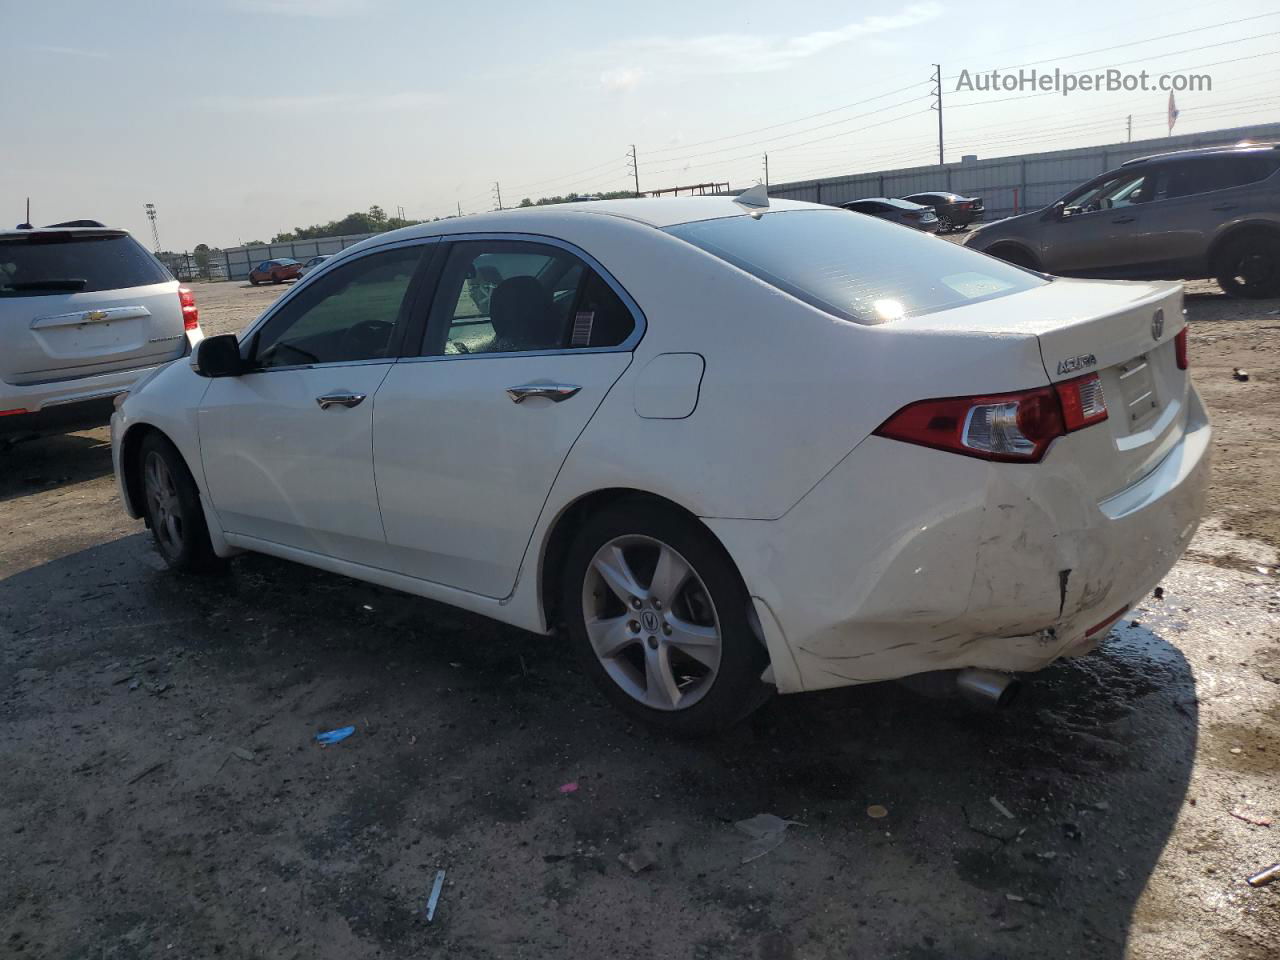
161 794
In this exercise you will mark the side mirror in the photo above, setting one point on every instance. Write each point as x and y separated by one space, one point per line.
1054 212
219 357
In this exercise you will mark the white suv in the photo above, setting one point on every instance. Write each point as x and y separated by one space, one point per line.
85 311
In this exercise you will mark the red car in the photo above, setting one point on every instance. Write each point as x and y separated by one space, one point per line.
275 271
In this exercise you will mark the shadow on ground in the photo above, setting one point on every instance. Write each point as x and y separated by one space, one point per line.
53 456
157 740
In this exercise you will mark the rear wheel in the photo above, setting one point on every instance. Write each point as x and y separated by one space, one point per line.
173 509
945 225
659 617
1249 268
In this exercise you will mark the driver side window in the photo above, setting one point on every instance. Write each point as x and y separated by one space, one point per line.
352 313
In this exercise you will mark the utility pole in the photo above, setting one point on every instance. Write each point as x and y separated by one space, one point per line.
1129 130
497 192
635 167
937 92
155 232
459 208
766 170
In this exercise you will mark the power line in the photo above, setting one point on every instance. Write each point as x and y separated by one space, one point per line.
774 126
1132 43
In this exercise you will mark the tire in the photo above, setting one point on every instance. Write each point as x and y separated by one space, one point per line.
945 224
172 506
253 282
1014 255
1249 268
697 694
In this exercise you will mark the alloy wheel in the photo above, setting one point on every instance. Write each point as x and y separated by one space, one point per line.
165 507
651 622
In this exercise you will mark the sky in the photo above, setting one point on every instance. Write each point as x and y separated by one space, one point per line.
240 119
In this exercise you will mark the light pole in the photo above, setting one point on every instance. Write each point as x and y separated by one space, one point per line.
155 232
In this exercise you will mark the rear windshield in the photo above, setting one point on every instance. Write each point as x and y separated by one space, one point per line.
44 264
858 268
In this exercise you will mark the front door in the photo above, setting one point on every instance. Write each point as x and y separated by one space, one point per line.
287 448
524 341
1099 230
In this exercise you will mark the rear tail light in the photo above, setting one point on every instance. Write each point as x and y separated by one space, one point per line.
1083 403
10 413
1006 427
1180 348
190 313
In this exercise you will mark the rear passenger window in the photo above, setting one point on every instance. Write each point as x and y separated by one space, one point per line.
1204 175
517 297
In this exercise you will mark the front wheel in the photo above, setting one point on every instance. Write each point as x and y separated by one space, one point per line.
659 617
1249 268
253 282
173 509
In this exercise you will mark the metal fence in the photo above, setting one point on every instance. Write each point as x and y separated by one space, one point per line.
1009 185
238 261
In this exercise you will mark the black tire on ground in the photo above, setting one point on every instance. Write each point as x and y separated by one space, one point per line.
253 282
1249 267
736 690
172 506
1015 255
945 225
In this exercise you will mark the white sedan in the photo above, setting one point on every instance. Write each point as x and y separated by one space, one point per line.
730 446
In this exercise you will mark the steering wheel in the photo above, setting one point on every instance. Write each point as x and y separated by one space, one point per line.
367 340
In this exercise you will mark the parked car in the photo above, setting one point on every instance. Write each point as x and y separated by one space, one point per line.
275 271
896 211
85 311
954 211
730 447
311 264
1213 212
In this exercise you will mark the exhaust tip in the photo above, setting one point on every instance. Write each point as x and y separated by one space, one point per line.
988 688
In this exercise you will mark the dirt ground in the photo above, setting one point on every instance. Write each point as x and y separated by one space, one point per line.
161 793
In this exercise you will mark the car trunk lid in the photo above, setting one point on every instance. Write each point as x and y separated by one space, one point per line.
1124 332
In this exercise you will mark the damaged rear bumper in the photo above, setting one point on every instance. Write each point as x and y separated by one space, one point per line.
904 560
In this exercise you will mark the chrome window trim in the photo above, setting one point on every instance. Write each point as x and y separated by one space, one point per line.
335 262
637 315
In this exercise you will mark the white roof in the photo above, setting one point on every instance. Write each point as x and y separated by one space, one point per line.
654 211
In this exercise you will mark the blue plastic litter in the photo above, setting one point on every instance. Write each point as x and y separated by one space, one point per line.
335 736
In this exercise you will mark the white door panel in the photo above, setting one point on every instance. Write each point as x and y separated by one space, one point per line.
281 468
463 471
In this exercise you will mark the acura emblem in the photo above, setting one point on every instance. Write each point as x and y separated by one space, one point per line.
1157 324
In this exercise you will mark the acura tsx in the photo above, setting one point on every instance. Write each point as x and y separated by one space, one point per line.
727 446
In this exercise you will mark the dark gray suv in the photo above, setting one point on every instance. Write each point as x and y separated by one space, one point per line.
1213 212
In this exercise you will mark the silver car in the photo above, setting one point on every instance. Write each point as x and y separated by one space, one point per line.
1213 212
85 311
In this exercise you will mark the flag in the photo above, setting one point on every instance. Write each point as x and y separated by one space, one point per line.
1173 112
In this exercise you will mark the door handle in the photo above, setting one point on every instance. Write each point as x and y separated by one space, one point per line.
1124 219
555 392
1223 207
340 400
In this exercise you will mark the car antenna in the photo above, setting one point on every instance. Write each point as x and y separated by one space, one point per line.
27 225
755 199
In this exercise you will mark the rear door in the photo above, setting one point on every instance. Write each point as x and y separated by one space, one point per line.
524 341
76 303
